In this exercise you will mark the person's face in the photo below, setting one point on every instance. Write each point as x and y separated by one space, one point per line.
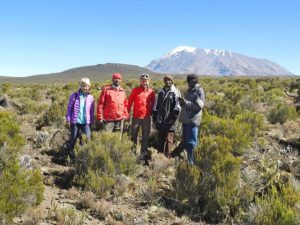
191 83
116 82
168 82
84 87
144 82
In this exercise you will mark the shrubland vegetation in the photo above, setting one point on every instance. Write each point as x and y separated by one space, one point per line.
101 160
240 119
20 187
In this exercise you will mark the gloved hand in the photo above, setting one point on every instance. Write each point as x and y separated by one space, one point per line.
102 124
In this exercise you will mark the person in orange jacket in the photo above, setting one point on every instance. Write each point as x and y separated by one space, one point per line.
112 105
142 98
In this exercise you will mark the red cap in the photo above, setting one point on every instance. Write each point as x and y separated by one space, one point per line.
117 76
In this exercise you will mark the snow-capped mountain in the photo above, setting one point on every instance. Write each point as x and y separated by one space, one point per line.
186 59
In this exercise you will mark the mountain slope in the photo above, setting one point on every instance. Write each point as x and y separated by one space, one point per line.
98 72
185 59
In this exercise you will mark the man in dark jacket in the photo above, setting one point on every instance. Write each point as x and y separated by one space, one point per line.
165 113
190 116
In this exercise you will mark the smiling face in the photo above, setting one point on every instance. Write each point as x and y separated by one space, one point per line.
168 82
84 87
144 82
116 82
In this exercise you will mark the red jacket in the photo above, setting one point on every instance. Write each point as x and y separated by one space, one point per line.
143 100
112 104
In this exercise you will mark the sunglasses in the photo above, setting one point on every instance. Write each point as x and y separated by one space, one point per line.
145 76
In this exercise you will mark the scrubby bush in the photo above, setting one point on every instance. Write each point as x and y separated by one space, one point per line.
9 132
277 206
54 116
255 120
5 87
236 131
99 161
234 94
281 113
213 182
34 107
20 188
219 106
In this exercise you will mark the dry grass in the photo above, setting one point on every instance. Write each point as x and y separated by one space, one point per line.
101 209
72 193
34 215
87 200
290 129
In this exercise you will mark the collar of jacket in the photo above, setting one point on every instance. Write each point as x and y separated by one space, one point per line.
116 87
172 89
194 88
85 94
144 89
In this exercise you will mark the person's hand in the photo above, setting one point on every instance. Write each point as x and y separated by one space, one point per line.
127 119
102 124
68 124
181 101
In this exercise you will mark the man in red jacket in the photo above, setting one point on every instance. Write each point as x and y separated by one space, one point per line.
112 105
142 98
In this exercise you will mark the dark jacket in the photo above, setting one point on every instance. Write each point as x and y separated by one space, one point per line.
166 108
191 112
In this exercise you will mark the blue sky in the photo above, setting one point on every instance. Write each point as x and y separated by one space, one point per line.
44 36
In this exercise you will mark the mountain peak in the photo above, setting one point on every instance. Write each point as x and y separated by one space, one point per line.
186 59
181 49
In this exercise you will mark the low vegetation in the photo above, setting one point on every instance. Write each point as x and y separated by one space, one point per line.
101 160
244 170
20 187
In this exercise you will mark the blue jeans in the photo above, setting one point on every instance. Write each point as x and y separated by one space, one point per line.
76 130
190 139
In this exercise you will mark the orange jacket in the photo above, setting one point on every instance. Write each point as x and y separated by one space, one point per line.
112 104
143 100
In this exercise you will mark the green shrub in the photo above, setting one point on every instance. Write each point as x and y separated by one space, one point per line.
222 107
34 107
19 188
54 116
255 120
278 206
5 88
281 113
213 182
9 131
234 94
100 160
236 131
